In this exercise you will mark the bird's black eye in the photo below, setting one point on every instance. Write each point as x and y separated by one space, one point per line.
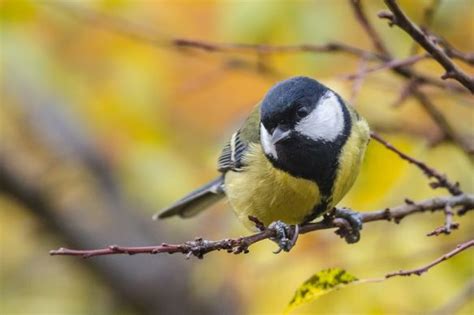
302 112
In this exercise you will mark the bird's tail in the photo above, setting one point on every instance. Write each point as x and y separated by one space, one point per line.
196 201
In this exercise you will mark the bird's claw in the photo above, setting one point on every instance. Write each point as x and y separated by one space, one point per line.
351 234
283 232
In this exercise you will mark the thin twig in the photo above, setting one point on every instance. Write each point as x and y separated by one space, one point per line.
405 92
448 214
467 57
378 43
397 17
419 271
272 49
448 226
390 65
441 121
408 73
358 80
451 51
442 229
125 27
369 29
441 180
200 247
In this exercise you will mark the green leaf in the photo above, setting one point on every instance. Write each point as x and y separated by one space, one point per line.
323 282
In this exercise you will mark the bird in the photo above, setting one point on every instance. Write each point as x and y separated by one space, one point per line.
293 159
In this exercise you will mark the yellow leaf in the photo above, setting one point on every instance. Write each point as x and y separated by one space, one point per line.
323 282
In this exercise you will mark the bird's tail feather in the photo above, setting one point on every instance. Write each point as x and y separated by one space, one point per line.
196 201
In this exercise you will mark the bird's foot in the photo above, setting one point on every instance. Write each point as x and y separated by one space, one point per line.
349 226
286 235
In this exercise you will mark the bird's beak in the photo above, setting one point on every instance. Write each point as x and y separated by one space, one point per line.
279 134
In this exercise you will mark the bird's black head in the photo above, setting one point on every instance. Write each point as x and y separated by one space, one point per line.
303 127
282 102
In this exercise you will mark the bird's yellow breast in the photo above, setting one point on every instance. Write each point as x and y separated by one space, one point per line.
265 192
350 159
270 194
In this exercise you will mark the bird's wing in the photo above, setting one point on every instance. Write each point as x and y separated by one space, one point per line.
232 155
196 201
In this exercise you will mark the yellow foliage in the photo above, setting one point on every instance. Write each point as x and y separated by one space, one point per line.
158 116
319 284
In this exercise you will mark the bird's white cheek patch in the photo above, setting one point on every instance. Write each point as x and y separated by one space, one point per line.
325 122
266 140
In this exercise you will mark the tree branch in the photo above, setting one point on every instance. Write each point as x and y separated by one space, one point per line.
419 271
453 52
406 72
125 27
199 247
272 49
441 121
395 63
358 79
369 29
441 180
398 17
77 224
448 223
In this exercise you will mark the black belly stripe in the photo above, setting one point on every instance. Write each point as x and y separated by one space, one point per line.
326 199
317 211
317 161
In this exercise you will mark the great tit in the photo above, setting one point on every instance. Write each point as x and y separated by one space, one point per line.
293 159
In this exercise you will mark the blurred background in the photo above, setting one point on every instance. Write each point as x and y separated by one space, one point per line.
103 123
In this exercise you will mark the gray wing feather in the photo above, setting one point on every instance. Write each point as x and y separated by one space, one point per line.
196 201
231 159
